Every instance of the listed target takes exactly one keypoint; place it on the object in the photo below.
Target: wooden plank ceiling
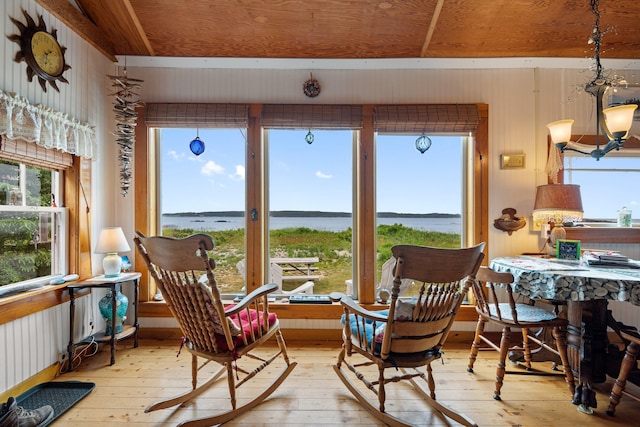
(351, 28)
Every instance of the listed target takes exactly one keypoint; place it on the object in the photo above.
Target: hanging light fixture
(423, 143)
(614, 122)
(197, 145)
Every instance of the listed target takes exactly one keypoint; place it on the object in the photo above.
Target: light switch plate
(512, 161)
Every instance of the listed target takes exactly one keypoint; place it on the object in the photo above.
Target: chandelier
(614, 122)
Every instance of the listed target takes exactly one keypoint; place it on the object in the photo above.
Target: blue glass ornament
(309, 138)
(122, 302)
(197, 146)
(423, 143)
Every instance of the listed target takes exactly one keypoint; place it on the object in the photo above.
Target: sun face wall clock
(42, 52)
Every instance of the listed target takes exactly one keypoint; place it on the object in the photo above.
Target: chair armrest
(250, 298)
(355, 308)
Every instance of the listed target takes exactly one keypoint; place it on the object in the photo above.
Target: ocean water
(213, 223)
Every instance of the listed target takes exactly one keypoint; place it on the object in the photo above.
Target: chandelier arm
(567, 148)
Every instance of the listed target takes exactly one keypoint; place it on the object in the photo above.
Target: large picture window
(302, 161)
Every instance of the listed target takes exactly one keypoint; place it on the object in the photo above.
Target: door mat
(61, 395)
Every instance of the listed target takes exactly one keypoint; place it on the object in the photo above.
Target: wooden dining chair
(517, 315)
(628, 367)
(211, 331)
(410, 334)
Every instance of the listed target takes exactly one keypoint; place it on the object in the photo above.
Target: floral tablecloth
(540, 278)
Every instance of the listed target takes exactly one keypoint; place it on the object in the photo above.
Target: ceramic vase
(122, 302)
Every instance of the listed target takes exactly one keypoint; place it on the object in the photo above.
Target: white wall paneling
(31, 344)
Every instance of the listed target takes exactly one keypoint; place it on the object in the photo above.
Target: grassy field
(332, 248)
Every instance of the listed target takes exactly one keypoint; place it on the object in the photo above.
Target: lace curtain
(48, 128)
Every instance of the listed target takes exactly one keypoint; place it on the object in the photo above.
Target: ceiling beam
(432, 28)
(139, 30)
(79, 24)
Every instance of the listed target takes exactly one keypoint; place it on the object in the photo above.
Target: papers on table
(608, 259)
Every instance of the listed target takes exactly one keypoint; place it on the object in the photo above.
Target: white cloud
(322, 175)
(238, 175)
(211, 168)
(173, 154)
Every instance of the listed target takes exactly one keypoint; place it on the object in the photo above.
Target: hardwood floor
(313, 395)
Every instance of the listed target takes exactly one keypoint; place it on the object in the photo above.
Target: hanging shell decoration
(124, 107)
(509, 222)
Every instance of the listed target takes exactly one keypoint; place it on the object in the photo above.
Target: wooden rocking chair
(211, 331)
(412, 333)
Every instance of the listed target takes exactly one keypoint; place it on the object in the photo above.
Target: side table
(111, 283)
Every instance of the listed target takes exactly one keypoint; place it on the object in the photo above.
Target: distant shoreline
(311, 214)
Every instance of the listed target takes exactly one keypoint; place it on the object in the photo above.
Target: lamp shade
(619, 119)
(558, 203)
(112, 240)
(560, 131)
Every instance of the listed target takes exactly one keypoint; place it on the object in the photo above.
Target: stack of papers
(612, 259)
(613, 256)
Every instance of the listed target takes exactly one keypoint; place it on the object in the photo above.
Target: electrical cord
(82, 350)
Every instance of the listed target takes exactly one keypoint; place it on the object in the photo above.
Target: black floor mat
(61, 395)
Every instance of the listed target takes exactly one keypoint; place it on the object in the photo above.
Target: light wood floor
(314, 396)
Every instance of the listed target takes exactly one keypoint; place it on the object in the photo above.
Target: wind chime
(124, 107)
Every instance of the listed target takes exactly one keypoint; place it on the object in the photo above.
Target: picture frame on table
(568, 249)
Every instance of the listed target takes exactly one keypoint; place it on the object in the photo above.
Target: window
(419, 196)
(352, 128)
(206, 193)
(310, 200)
(606, 185)
(32, 228)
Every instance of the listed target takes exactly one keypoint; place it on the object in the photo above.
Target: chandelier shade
(619, 119)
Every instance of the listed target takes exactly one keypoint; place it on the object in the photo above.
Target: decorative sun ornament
(423, 143)
(42, 52)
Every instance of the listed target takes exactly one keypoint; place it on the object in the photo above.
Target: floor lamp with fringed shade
(557, 204)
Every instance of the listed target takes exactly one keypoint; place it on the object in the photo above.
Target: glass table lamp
(557, 204)
(110, 242)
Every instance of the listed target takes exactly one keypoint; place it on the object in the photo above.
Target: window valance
(48, 128)
(297, 116)
(455, 118)
(178, 115)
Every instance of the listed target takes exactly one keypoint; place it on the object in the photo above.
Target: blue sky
(318, 176)
(303, 176)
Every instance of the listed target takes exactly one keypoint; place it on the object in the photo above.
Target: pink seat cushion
(248, 322)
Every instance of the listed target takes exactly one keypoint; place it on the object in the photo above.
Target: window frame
(594, 234)
(75, 176)
(256, 232)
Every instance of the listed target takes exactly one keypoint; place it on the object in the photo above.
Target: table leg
(136, 284)
(587, 346)
(113, 324)
(72, 315)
